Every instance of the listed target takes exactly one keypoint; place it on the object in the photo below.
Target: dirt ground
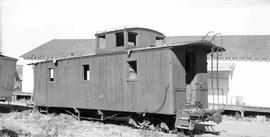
(246, 127)
(22, 123)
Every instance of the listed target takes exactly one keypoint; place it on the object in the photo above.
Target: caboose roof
(128, 29)
(200, 45)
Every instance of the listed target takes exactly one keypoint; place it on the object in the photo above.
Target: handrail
(208, 34)
(221, 42)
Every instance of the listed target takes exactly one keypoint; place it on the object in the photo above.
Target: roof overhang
(201, 45)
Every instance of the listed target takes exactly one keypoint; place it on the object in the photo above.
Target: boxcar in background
(7, 77)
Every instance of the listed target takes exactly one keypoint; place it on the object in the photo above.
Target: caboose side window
(51, 74)
(159, 41)
(86, 72)
(132, 69)
(132, 38)
(102, 41)
(119, 39)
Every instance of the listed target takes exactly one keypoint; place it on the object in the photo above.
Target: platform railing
(216, 98)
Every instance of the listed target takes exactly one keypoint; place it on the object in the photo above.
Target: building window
(132, 38)
(102, 41)
(51, 74)
(132, 69)
(86, 72)
(119, 39)
(159, 40)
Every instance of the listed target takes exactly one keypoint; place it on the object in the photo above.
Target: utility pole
(1, 27)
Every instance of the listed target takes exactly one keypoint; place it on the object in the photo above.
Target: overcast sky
(27, 24)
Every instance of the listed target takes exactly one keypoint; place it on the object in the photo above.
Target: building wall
(28, 78)
(108, 88)
(250, 79)
(247, 83)
(219, 96)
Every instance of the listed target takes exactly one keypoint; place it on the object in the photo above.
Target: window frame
(132, 35)
(51, 69)
(120, 34)
(159, 40)
(85, 72)
(129, 78)
(102, 38)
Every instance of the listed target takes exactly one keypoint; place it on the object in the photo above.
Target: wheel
(164, 127)
(8, 99)
(188, 133)
(181, 134)
(184, 133)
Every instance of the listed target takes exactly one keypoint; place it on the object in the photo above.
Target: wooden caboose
(7, 77)
(133, 70)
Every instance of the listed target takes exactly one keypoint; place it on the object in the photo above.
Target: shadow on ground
(7, 132)
(7, 108)
(205, 129)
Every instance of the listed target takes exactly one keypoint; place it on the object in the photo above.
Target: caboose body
(132, 71)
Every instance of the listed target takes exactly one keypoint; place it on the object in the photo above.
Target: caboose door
(196, 78)
(190, 72)
(190, 61)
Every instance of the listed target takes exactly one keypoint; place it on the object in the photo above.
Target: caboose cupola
(127, 38)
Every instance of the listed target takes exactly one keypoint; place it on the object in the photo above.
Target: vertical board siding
(41, 82)
(108, 87)
(7, 77)
(179, 84)
(50, 86)
(153, 81)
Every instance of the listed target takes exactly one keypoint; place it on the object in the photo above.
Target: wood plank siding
(7, 76)
(109, 87)
(132, 70)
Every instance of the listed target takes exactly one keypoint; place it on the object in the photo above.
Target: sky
(27, 24)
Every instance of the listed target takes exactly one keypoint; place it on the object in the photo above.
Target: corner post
(125, 39)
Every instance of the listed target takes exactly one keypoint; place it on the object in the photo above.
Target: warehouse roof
(59, 48)
(237, 46)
